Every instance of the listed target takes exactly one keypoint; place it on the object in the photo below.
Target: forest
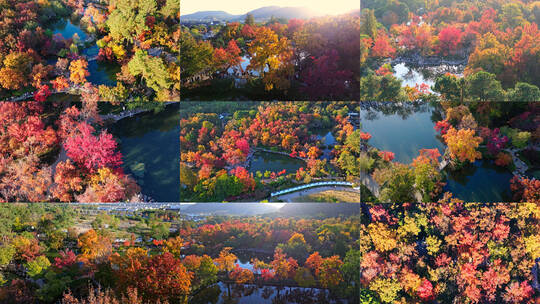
(138, 42)
(60, 152)
(219, 149)
(505, 135)
(61, 254)
(449, 252)
(294, 59)
(452, 50)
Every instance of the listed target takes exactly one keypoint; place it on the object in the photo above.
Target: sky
(239, 7)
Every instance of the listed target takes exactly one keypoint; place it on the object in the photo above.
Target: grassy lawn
(331, 196)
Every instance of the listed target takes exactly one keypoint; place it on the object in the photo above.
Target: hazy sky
(237, 7)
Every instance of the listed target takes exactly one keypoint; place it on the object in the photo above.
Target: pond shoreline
(130, 113)
(422, 61)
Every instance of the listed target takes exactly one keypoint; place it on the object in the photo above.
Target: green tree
(397, 184)
(483, 86)
(187, 176)
(160, 230)
(351, 275)
(196, 57)
(171, 9)
(449, 87)
(353, 141)
(7, 252)
(128, 19)
(523, 92)
(350, 164)
(296, 247)
(37, 266)
(151, 69)
(368, 23)
(512, 15)
(304, 278)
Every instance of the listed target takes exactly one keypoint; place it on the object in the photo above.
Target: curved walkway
(290, 197)
(318, 184)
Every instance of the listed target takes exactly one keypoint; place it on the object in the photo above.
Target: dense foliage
(449, 251)
(497, 40)
(215, 151)
(49, 152)
(297, 59)
(47, 255)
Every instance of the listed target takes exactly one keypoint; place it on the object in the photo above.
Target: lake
(406, 128)
(150, 145)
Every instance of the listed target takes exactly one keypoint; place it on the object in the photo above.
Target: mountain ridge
(259, 14)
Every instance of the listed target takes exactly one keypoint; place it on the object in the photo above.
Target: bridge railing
(337, 183)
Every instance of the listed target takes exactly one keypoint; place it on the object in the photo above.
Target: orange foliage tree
(462, 144)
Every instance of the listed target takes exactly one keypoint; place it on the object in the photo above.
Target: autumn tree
(68, 180)
(449, 40)
(329, 273)
(241, 275)
(93, 152)
(78, 71)
(284, 268)
(271, 57)
(160, 277)
(226, 260)
(108, 186)
(462, 144)
(94, 247)
(381, 47)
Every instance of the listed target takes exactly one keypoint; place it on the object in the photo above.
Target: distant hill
(267, 12)
(209, 16)
(260, 14)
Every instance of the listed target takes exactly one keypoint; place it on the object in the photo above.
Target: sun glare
(238, 7)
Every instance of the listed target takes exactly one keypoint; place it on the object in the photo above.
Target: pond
(406, 128)
(481, 181)
(67, 29)
(150, 145)
(245, 62)
(274, 162)
(412, 76)
(403, 130)
(100, 72)
(249, 294)
(328, 140)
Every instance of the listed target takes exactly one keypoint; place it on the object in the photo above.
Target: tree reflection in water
(233, 293)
